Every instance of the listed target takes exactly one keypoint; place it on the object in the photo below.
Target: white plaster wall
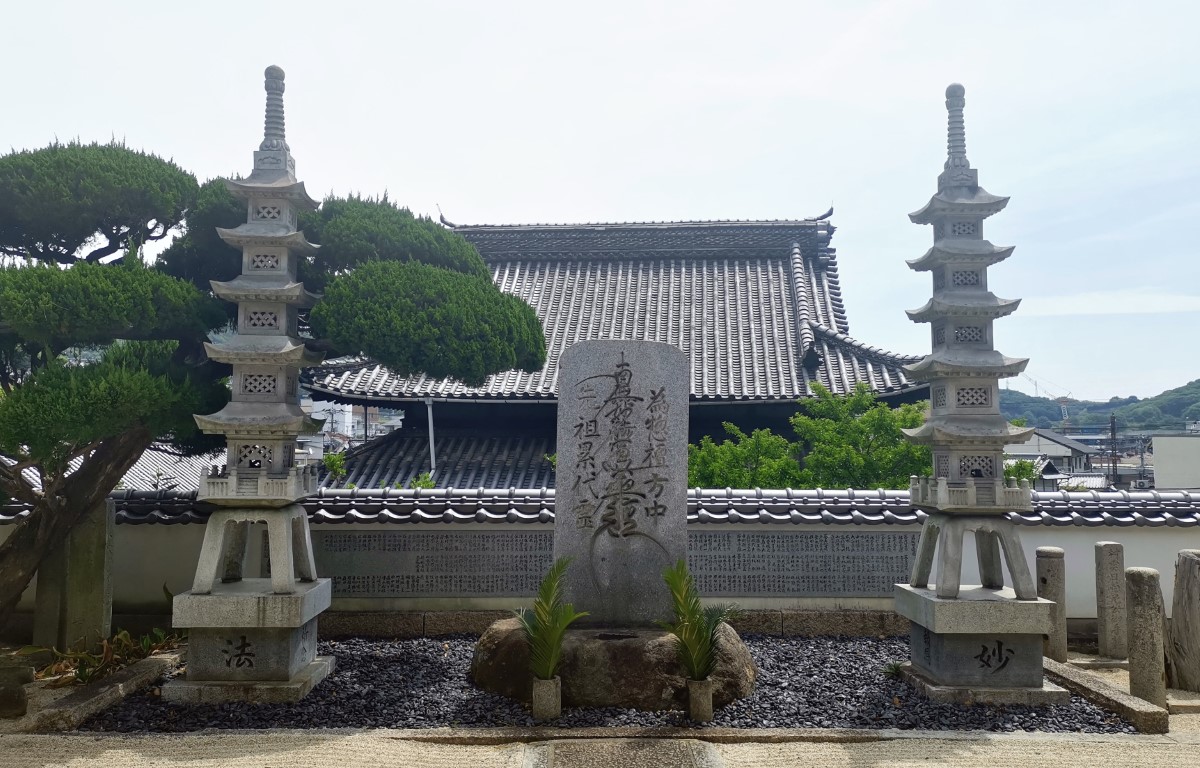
(1176, 462)
(1144, 548)
(149, 556)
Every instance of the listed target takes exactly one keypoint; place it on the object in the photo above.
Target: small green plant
(83, 667)
(546, 624)
(892, 670)
(695, 626)
(552, 458)
(424, 481)
(335, 465)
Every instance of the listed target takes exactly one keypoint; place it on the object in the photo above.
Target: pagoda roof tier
(284, 187)
(959, 201)
(966, 363)
(968, 430)
(238, 419)
(268, 235)
(963, 304)
(263, 350)
(263, 288)
(967, 252)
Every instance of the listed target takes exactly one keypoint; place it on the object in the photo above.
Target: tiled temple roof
(465, 460)
(1173, 509)
(746, 300)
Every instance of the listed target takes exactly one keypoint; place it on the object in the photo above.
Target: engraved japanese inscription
(621, 501)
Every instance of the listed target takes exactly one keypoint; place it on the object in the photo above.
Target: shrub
(695, 626)
(546, 624)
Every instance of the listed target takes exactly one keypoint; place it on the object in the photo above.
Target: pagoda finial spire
(273, 131)
(956, 131)
(958, 171)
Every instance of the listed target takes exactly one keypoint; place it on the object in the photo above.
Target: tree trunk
(53, 517)
(1183, 643)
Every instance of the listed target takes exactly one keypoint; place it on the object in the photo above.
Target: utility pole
(1112, 455)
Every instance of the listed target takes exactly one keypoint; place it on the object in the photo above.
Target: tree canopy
(850, 441)
(855, 441)
(88, 201)
(416, 318)
(100, 359)
(761, 459)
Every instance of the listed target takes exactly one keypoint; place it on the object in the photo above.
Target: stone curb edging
(1146, 717)
(68, 712)
(529, 735)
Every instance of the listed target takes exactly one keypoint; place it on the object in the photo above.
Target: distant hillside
(1169, 410)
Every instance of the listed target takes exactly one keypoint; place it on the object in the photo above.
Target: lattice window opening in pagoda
(268, 210)
(939, 335)
(259, 320)
(977, 467)
(970, 334)
(941, 464)
(254, 456)
(965, 278)
(973, 397)
(259, 384)
(939, 397)
(264, 262)
(961, 229)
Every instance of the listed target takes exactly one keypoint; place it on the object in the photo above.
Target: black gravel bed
(803, 682)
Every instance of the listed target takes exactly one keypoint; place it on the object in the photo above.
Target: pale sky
(1086, 113)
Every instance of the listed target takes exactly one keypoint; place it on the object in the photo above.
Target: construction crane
(1062, 401)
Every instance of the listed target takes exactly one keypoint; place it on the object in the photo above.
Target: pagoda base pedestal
(247, 643)
(984, 646)
(942, 535)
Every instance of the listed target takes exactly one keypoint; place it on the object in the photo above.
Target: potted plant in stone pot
(695, 631)
(544, 628)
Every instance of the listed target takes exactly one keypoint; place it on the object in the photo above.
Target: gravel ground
(422, 683)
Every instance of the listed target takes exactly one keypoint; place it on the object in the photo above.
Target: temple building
(756, 304)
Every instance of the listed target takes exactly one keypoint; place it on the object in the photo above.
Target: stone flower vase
(547, 698)
(700, 700)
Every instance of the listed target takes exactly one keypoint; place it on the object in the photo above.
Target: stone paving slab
(632, 753)
(376, 749)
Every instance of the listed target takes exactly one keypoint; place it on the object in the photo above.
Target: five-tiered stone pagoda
(255, 639)
(970, 643)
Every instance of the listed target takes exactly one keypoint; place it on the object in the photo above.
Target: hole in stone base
(614, 636)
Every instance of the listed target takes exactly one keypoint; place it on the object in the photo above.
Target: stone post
(1052, 585)
(1110, 600)
(73, 603)
(1147, 664)
(1183, 643)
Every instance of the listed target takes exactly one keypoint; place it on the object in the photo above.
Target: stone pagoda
(973, 643)
(255, 638)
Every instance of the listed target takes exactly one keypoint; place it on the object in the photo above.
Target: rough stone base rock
(611, 667)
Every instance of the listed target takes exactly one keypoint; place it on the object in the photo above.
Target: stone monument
(977, 643)
(621, 500)
(251, 638)
(621, 515)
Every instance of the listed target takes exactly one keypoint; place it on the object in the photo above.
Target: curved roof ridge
(863, 347)
(643, 224)
(705, 505)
